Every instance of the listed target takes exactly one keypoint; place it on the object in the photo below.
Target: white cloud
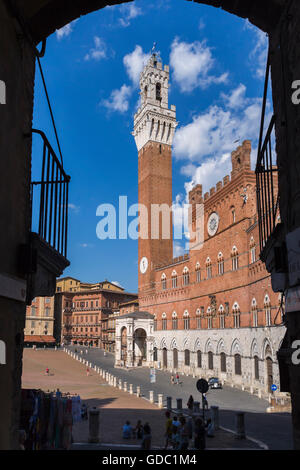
(130, 11)
(73, 207)
(86, 245)
(97, 52)
(205, 144)
(134, 63)
(236, 99)
(178, 249)
(201, 24)
(259, 53)
(119, 99)
(191, 64)
(65, 30)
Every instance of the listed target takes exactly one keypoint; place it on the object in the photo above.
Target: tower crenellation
(154, 120)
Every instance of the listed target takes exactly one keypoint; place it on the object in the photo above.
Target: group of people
(181, 432)
(140, 431)
(175, 379)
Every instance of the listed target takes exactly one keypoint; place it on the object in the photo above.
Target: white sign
(152, 376)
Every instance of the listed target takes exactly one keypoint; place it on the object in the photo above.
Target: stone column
(179, 403)
(169, 403)
(160, 400)
(120, 384)
(125, 386)
(215, 416)
(130, 389)
(151, 396)
(138, 391)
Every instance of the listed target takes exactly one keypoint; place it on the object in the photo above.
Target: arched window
(209, 318)
(174, 279)
(186, 320)
(186, 357)
(199, 359)
(198, 272)
(186, 276)
(256, 367)
(235, 259)
(220, 264)
(158, 91)
(252, 250)
(154, 354)
(267, 306)
(236, 315)
(221, 316)
(198, 319)
(174, 321)
(164, 321)
(237, 364)
(163, 281)
(254, 313)
(233, 215)
(223, 361)
(210, 360)
(208, 268)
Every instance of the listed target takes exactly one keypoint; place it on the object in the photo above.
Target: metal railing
(266, 174)
(53, 199)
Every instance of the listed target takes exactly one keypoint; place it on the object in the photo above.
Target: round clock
(213, 224)
(143, 265)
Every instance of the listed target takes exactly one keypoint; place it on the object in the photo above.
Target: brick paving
(116, 405)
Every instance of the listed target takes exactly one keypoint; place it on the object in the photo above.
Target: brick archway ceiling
(43, 17)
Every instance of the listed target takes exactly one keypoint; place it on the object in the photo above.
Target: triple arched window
(186, 276)
(220, 264)
(235, 259)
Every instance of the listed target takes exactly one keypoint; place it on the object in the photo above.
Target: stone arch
(221, 346)
(186, 344)
(174, 344)
(254, 348)
(209, 346)
(163, 343)
(236, 347)
(197, 345)
(267, 349)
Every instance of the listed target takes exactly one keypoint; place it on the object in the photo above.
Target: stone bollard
(160, 400)
(94, 425)
(215, 416)
(138, 391)
(240, 425)
(196, 407)
(95, 368)
(115, 381)
(259, 393)
(120, 384)
(151, 396)
(251, 390)
(179, 403)
(130, 389)
(125, 386)
(169, 403)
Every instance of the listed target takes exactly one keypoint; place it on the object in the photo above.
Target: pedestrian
(204, 401)
(190, 403)
(199, 435)
(138, 430)
(87, 371)
(47, 371)
(183, 434)
(146, 442)
(210, 428)
(177, 378)
(172, 379)
(175, 437)
(127, 430)
(168, 429)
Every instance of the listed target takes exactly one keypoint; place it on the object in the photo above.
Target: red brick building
(214, 309)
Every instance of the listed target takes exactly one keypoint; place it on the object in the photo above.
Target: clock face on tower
(213, 224)
(143, 265)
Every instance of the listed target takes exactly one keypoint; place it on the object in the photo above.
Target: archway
(139, 346)
(175, 358)
(165, 358)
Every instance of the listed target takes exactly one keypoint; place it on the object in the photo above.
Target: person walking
(146, 442)
(204, 401)
(172, 379)
(199, 435)
(138, 430)
(168, 433)
(87, 371)
(190, 404)
(177, 378)
(127, 430)
(183, 434)
(47, 371)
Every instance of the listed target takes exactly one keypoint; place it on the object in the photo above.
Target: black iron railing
(266, 173)
(53, 199)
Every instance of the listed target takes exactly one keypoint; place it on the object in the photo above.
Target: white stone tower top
(154, 121)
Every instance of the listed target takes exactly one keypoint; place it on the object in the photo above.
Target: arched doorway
(165, 358)
(139, 346)
(269, 368)
(175, 358)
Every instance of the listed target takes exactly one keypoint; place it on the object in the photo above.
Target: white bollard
(138, 391)
(125, 386)
(130, 389)
(120, 384)
(160, 400)
(151, 396)
(115, 381)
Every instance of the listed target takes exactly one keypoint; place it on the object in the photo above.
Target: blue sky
(92, 66)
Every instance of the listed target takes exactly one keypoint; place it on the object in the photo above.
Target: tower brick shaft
(154, 126)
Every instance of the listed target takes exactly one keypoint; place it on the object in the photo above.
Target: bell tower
(154, 127)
